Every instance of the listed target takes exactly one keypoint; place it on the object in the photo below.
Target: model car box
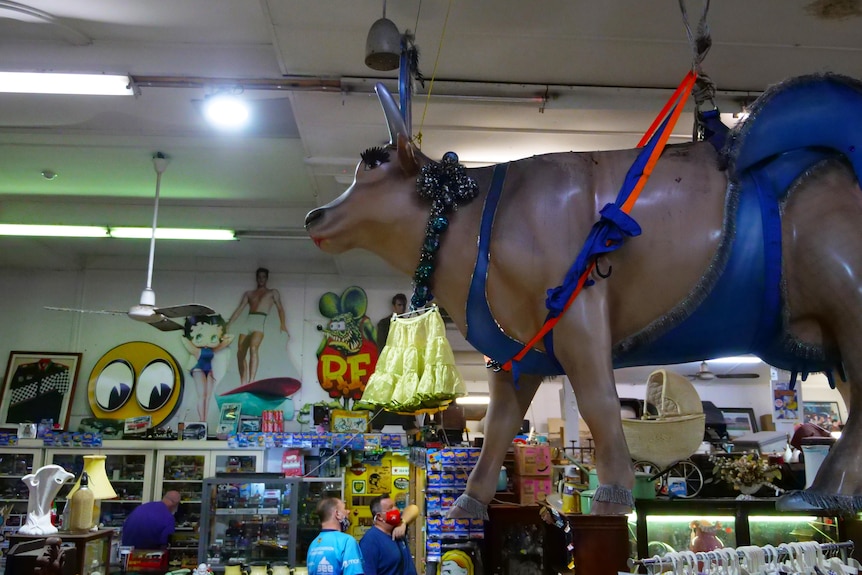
(532, 489)
(532, 459)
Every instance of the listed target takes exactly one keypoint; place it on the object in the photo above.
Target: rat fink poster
(347, 354)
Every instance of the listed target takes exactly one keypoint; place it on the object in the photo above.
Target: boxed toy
(532, 489)
(532, 459)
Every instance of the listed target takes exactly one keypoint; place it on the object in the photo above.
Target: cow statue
(756, 248)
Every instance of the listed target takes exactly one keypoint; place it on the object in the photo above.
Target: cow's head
(381, 208)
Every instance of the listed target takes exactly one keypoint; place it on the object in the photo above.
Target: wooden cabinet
(89, 547)
(517, 541)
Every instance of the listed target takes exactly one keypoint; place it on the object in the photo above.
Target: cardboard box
(532, 489)
(532, 459)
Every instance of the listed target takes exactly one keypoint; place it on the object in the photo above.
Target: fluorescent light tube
(53, 231)
(736, 359)
(172, 234)
(473, 400)
(50, 83)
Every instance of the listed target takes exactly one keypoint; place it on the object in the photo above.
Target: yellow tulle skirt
(416, 369)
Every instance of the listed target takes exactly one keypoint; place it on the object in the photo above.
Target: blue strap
(714, 130)
(608, 233)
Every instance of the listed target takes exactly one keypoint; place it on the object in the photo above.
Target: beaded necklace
(447, 185)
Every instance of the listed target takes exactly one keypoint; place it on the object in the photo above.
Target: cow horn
(394, 119)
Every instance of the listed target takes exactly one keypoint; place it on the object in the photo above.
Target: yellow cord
(418, 138)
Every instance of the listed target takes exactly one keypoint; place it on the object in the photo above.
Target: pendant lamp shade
(383, 46)
(101, 487)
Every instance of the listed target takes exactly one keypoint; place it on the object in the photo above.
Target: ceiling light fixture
(47, 231)
(279, 234)
(749, 359)
(53, 83)
(383, 45)
(173, 234)
(60, 231)
(226, 111)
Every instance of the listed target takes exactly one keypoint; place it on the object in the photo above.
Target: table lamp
(94, 466)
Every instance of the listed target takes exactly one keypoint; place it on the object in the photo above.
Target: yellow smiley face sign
(134, 379)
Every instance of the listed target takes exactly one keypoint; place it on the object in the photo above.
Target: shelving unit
(445, 477)
(130, 474)
(15, 463)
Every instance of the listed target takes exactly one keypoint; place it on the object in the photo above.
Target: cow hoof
(794, 501)
(466, 506)
(811, 501)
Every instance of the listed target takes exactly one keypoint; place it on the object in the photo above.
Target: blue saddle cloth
(792, 127)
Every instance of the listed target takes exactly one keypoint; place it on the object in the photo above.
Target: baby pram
(670, 430)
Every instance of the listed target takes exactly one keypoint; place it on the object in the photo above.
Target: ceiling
(511, 79)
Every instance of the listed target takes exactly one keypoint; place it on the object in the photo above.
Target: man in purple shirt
(150, 525)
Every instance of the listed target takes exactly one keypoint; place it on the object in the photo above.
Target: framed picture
(823, 413)
(343, 421)
(38, 386)
(228, 419)
(785, 402)
(739, 421)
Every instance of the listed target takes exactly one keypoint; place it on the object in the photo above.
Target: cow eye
(373, 157)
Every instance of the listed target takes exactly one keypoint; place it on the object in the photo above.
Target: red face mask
(392, 517)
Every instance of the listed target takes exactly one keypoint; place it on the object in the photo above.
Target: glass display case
(310, 491)
(184, 470)
(661, 526)
(15, 463)
(260, 517)
(130, 474)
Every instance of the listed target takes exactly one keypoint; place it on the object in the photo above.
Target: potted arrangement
(746, 473)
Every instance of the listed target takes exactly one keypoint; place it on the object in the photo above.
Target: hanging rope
(700, 43)
(418, 137)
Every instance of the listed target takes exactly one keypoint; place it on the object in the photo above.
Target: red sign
(346, 375)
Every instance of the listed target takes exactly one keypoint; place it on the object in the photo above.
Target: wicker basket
(677, 431)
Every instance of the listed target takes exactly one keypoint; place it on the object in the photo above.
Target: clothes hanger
(733, 561)
(654, 567)
(771, 559)
(690, 562)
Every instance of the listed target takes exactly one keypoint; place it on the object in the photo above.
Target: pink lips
(277, 386)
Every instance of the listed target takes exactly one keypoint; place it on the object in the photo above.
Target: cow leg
(823, 263)
(506, 410)
(582, 344)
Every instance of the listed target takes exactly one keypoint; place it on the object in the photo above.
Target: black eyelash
(373, 157)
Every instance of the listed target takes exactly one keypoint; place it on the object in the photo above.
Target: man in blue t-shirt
(384, 550)
(334, 552)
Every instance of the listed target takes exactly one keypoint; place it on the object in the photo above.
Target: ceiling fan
(146, 311)
(705, 374)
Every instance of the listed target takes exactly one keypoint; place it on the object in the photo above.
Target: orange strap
(677, 101)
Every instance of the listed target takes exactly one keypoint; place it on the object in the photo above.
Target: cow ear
(407, 156)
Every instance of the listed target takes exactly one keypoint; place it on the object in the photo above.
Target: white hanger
(690, 562)
(771, 559)
(732, 561)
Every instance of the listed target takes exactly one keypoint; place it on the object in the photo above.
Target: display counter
(661, 526)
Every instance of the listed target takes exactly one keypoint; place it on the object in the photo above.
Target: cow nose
(314, 214)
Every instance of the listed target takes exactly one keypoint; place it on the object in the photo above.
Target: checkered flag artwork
(59, 382)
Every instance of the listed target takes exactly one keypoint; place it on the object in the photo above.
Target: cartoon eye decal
(374, 157)
(338, 325)
(114, 385)
(155, 385)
